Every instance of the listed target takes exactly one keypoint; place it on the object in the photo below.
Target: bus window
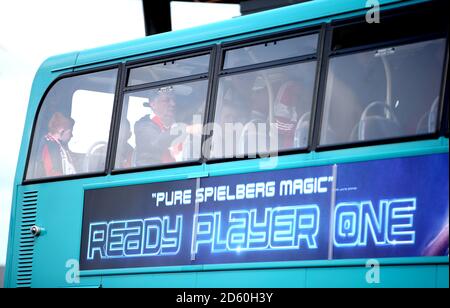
(161, 125)
(72, 129)
(381, 94)
(263, 111)
(169, 70)
(271, 51)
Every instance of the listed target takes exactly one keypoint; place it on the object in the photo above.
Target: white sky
(31, 31)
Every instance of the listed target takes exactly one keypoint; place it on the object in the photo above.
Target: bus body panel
(60, 210)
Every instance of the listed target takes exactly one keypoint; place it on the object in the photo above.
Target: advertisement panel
(376, 209)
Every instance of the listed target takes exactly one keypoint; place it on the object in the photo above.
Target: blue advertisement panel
(386, 208)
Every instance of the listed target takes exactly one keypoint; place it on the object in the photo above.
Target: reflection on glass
(386, 93)
(168, 70)
(162, 125)
(263, 111)
(270, 51)
(72, 129)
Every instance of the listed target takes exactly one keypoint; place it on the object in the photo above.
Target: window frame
(182, 55)
(125, 89)
(67, 75)
(404, 40)
(259, 40)
(318, 29)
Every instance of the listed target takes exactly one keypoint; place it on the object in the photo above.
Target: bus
(305, 146)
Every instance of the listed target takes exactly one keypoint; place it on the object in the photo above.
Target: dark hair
(58, 121)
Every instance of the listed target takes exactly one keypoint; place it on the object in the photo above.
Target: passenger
(189, 146)
(285, 114)
(154, 142)
(55, 158)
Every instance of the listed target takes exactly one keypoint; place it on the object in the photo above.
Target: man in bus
(155, 144)
(55, 158)
(152, 131)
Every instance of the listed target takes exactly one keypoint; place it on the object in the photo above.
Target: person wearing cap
(54, 155)
(438, 246)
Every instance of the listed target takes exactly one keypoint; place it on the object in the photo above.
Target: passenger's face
(164, 107)
(66, 135)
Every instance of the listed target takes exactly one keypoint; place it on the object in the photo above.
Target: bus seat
(378, 127)
(382, 124)
(422, 125)
(427, 122)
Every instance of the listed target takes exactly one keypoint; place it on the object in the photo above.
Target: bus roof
(307, 13)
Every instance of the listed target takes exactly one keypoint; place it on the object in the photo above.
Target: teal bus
(305, 146)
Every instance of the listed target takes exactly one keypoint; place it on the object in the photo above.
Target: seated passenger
(285, 114)
(54, 156)
(154, 142)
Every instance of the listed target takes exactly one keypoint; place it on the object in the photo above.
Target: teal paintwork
(60, 203)
(442, 276)
(392, 276)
